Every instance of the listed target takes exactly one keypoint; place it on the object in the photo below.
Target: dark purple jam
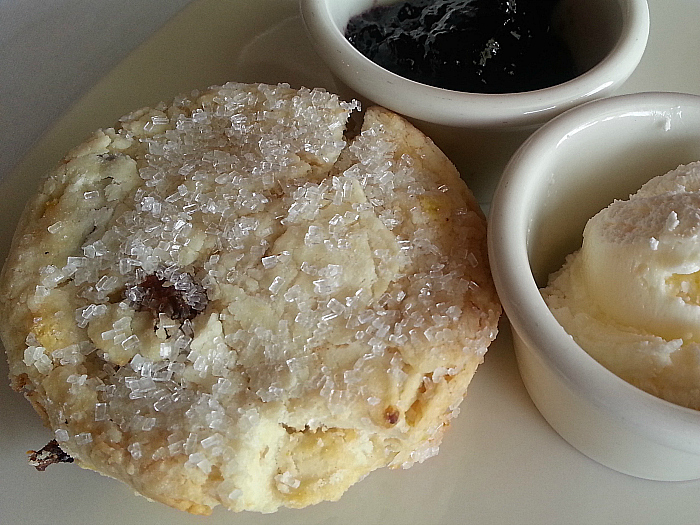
(479, 46)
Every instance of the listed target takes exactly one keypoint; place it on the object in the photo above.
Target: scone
(221, 301)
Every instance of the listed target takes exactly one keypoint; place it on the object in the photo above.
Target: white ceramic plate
(500, 462)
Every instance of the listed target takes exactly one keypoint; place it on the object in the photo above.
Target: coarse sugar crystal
(83, 438)
(135, 450)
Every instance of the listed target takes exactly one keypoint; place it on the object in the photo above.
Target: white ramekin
(607, 39)
(561, 176)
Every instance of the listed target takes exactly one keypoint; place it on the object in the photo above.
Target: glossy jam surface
(480, 46)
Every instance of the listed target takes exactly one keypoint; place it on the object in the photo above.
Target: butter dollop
(641, 257)
(630, 296)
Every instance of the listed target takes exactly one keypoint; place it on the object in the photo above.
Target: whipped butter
(630, 296)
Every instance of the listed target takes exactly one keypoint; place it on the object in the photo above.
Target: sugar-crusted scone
(218, 301)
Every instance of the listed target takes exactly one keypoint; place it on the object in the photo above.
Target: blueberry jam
(479, 46)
